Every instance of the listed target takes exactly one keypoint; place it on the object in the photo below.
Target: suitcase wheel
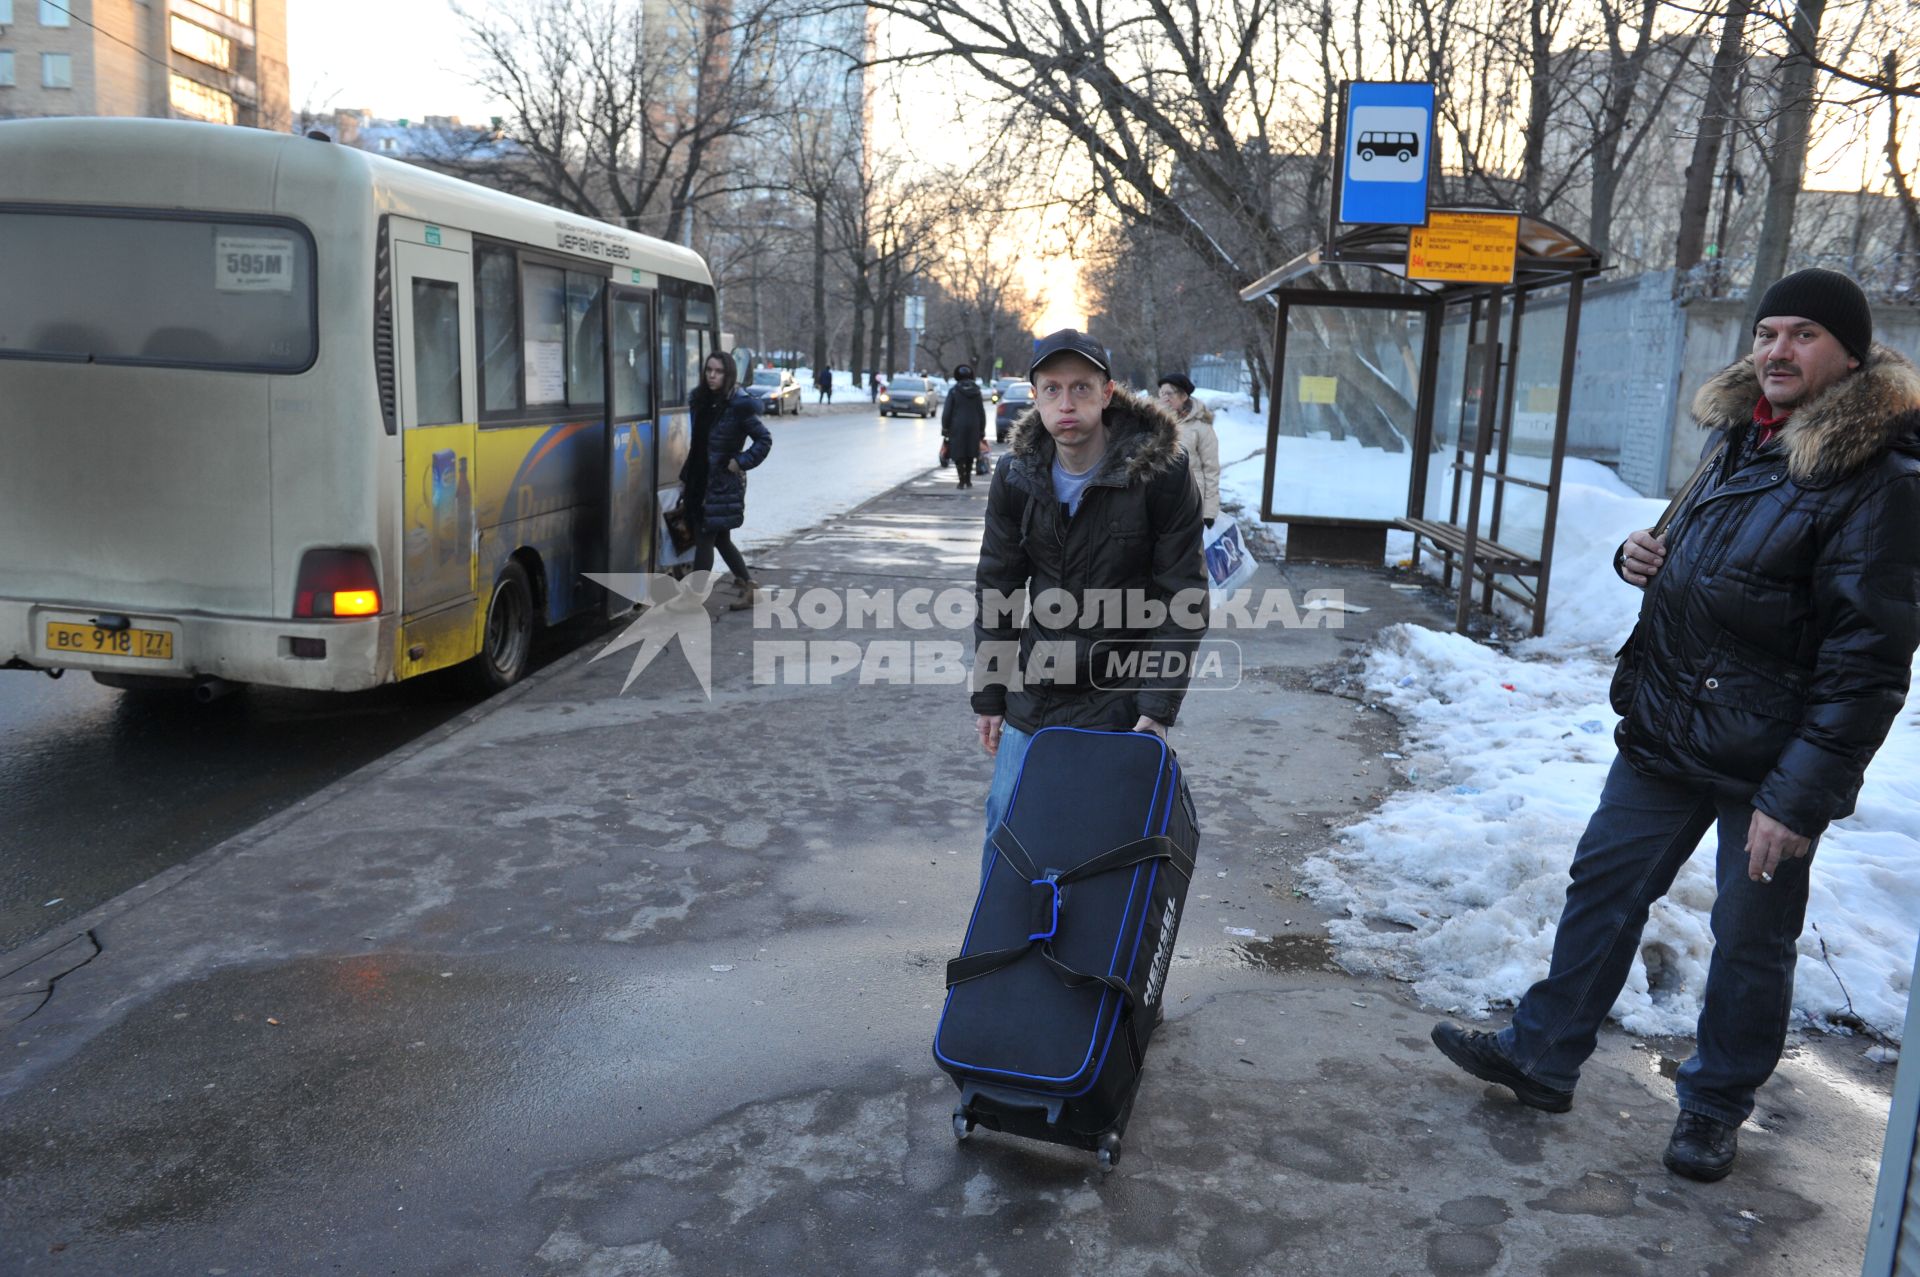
(1108, 1153)
(962, 1124)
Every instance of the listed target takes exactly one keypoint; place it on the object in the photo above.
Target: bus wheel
(509, 635)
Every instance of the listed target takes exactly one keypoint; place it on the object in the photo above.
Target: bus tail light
(336, 583)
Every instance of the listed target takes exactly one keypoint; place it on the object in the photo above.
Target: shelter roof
(1547, 254)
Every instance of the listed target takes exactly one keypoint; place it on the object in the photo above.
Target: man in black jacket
(963, 424)
(1093, 514)
(1775, 640)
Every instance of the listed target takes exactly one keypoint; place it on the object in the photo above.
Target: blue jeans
(1006, 772)
(1643, 831)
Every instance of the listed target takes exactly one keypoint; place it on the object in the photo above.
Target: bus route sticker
(252, 264)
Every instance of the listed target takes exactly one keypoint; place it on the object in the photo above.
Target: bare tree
(1715, 119)
(1787, 160)
(618, 120)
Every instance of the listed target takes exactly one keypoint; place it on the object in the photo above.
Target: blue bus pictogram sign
(1387, 154)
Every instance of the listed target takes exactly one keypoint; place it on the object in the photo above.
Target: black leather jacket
(1774, 644)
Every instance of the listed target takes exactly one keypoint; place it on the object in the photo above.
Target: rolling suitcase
(1057, 989)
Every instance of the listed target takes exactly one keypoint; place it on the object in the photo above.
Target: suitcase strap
(1044, 915)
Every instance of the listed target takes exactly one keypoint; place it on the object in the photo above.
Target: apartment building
(223, 61)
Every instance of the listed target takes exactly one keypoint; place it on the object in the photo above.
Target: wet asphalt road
(102, 789)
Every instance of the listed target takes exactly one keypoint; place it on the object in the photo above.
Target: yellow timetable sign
(1464, 248)
(1319, 389)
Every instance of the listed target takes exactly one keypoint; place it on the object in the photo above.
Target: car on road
(776, 390)
(1015, 398)
(1000, 385)
(907, 394)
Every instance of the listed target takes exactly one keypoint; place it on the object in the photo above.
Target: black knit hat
(1178, 380)
(1830, 300)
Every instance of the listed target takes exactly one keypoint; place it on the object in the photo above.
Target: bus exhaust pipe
(208, 690)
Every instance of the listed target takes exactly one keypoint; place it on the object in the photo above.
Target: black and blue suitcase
(1058, 986)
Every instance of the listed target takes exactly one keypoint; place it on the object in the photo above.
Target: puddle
(1666, 1066)
(1289, 953)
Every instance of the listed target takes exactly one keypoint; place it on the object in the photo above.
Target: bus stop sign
(1386, 155)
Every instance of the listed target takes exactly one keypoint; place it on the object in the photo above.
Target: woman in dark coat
(714, 481)
(963, 423)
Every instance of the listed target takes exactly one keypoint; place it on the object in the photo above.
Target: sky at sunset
(420, 66)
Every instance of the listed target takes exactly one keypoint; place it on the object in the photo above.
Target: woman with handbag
(963, 422)
(713, 483)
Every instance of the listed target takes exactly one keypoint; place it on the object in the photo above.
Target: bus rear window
(179, 291)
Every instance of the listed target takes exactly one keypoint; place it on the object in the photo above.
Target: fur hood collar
(1142, 439)
(1842, 428)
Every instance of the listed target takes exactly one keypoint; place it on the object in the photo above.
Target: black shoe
(1702, 1147)
(1480, 1055)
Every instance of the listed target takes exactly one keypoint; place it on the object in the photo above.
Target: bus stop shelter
(1436, 407)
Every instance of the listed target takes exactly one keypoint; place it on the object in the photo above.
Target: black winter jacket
(963, 419)
(1137, 532)
(724, 503)
(1774, 644)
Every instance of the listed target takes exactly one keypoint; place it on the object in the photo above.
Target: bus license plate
(152, 645)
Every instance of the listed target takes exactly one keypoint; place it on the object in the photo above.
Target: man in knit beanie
(1780, 617)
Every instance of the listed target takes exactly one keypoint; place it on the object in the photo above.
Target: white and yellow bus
(276, 411)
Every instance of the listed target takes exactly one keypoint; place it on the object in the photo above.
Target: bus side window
(673, 386)
(495, 308)
(698, 341)
(632, 358)
(436, 352)
(586, 340)
(543, 321)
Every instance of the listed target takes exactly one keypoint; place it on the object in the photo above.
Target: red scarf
(1767, 423)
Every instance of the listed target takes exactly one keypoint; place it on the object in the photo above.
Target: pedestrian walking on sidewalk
(1197, 436)
(963, 424)
(1094, 498)
(729, 439)
(1781, 613)
(823, 382)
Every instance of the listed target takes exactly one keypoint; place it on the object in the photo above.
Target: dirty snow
(1474, 858)
(1456, 884)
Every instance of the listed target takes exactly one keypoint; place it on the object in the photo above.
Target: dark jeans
(707, 541)
(1643, 831)
(963, 469)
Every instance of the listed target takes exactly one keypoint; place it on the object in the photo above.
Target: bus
(278, 411)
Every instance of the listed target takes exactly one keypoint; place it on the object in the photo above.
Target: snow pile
(1588, 605)
(1474, 861)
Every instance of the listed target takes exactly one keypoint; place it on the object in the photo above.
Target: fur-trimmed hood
(1141, 437)
(1875, 407)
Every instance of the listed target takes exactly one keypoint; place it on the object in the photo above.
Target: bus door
(433, 342)
(632, 514)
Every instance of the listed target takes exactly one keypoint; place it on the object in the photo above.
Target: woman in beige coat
(1195, 420)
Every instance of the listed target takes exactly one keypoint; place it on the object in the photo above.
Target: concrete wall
(1641, 358)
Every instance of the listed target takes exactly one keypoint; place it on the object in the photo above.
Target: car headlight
(885, 397)
(919, 399)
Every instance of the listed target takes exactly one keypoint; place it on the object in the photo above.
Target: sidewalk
(598, 984)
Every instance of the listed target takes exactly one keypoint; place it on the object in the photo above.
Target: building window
(6, 68)
(54, 14)
(200, 44)
(196, 101)
(6, 13)
(240, 11)
(56, 70)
